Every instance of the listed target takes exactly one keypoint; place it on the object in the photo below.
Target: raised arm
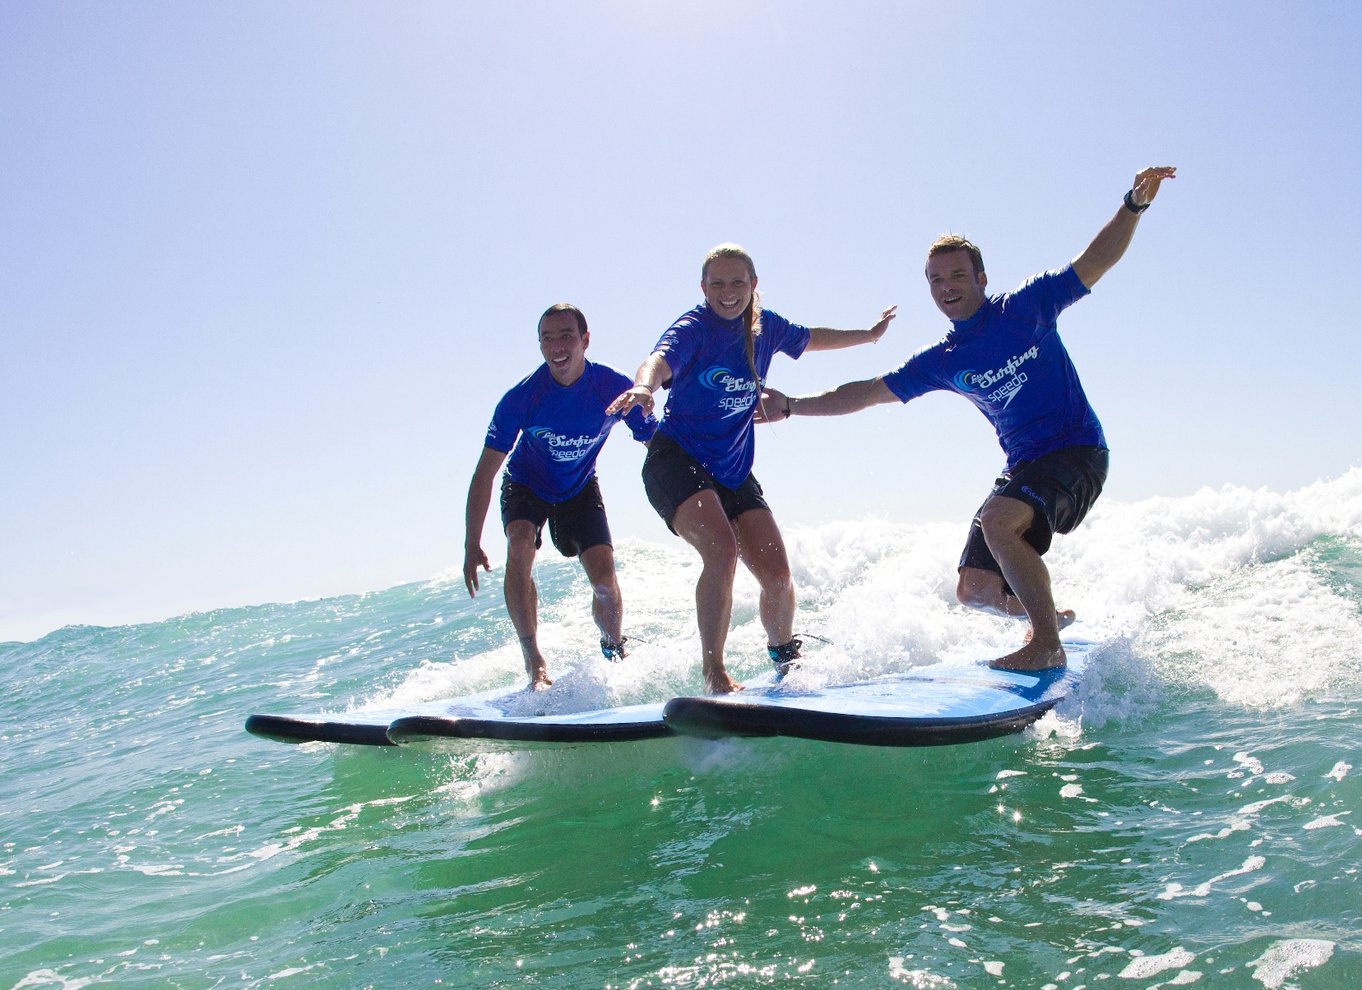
(475, 514)
(849, 398)
(828, 339)
(1112, 240)
(652, 374)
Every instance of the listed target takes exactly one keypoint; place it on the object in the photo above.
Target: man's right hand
(473, 558)
(639, 395)
(773, 407)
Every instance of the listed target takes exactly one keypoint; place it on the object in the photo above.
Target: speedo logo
(972, 380)
(564, 448)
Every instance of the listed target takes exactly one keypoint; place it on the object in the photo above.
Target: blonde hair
(751, 316)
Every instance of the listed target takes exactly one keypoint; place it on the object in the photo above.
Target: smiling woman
(698, 473)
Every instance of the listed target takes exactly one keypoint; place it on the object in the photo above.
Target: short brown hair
(564, 308)
(947, 243)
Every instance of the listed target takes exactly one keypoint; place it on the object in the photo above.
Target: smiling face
(957, 289)
(563, 344)
(728, 284)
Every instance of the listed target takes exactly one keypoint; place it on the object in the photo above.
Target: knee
(993, 525)
(975, 588)
(1005, 517)
(964, 591)
(520, 548)
(777, 581)
(606, 588)
(770, 566)
(721, 556)
(725, 560)
(598, 563)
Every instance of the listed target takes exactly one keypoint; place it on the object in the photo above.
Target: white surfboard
(936, 705)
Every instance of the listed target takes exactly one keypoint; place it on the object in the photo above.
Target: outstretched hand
(1146, 184)
(639, 395)
(773, 407)
(881, 325)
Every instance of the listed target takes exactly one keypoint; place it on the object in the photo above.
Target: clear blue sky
(266, 267)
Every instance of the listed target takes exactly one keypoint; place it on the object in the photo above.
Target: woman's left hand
(887, 317)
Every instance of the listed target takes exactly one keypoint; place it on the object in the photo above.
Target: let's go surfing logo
(977, 381)
(739, 391)
(564, 448)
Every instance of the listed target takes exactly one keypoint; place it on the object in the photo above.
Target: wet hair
(564, 308)
(947, 243)
(751, 316)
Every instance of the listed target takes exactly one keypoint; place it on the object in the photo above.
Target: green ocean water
(1192, 816)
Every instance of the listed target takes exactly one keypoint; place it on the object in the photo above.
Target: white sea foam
(1143, 967)
(1325, 821)
(1219, 589)
(51, 978)
(919, 979)
(1283, 960)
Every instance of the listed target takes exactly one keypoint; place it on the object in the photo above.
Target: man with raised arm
(1004, 354)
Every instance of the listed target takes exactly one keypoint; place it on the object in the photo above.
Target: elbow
(1090, 271)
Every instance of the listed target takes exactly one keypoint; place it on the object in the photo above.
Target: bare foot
(540, 681)
(1065, 617)
(1031, 657)
(721, 683)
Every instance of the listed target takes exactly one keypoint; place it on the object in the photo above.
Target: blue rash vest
(560, 428)
(1009, 361)
(711, 404)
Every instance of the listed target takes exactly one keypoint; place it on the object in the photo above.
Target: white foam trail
(1176, 890)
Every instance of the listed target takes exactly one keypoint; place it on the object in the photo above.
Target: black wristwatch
(1133, 206)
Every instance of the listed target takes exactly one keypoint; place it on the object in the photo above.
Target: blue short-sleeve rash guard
(711, 404)
(557, 430)
(1008, 360)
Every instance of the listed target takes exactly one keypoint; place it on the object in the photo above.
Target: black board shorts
(575, 525)
(671, 477)
(1061, 487)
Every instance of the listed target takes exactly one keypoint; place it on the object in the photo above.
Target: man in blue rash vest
(698, 472)
(556, 422)
(1003, 353)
